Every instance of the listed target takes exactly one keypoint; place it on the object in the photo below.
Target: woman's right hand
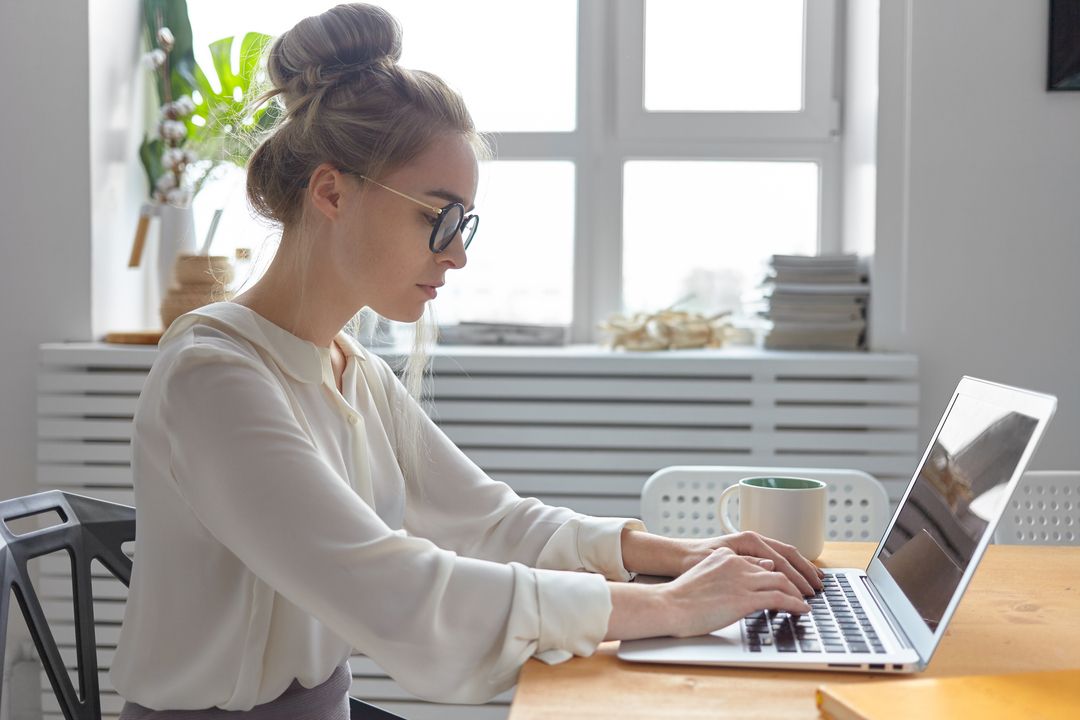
(716, 592)
(725, 587)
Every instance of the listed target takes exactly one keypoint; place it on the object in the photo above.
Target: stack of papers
(484, 333)
(814, 303)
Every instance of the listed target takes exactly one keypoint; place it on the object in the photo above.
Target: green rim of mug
(782, 483)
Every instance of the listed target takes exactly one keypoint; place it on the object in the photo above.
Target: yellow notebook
(1045, 695)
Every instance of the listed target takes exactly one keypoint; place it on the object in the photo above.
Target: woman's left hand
(651, 554)
(784, 558)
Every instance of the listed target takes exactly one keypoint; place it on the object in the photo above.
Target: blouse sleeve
(453, 502)
(445, 627)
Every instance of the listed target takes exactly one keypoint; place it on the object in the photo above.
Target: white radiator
(582, 428)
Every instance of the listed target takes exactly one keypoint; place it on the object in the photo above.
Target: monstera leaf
(224, 125)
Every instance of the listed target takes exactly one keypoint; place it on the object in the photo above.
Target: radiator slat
(60, 588)
(729, 363)
(576, 436)
(399, 702)
(50, 451)
(360, 665)
(412, 711)
(664, 414)
(647, 462)
(369, 688)
(696, 390)
(80, 429)
(86, 406)
(127, 382)
(89, 476)
(531, 483)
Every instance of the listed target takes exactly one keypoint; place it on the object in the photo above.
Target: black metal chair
(90, 529)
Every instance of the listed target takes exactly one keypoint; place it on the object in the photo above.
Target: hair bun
(345, 37)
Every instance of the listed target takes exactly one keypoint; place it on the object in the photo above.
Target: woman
(296, 503)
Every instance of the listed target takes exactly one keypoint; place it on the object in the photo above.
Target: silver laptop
(890, 616)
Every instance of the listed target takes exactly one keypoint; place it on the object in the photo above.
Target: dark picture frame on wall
(1063, 64)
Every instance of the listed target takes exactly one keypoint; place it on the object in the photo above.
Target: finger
(758, 563)
(775, 553)
(797, 565)
(808, 570)
(755, 565)
(751, 543)
(778, 581)
(777, 600)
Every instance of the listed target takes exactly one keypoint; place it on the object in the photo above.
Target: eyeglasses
(449, 221)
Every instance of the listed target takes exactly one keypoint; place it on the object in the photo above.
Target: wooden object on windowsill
(134, 337)
(200, 280)
(146, 214)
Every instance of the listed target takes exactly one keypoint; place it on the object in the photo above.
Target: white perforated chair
(681, 501)
(1043, 510)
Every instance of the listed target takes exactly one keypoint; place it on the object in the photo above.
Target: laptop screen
(937, 530)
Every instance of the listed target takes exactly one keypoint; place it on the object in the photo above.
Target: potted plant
(199, 127)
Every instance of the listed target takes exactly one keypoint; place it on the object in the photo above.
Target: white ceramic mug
(791, 510)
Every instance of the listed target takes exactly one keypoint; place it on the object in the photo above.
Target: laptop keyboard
(837, 623)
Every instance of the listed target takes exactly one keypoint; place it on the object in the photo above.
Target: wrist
(651, 554)
(674, 601)
(639, 611)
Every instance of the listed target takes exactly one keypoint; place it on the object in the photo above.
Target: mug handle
(722, 508)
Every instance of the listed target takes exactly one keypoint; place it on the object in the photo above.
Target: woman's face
(381, 246)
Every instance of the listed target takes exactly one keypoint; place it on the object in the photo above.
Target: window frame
(818, 120)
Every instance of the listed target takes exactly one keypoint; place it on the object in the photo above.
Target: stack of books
(814, 303)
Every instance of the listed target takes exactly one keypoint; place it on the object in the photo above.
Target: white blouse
(277, 532)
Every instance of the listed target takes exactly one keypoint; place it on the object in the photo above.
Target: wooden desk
(1019, 613)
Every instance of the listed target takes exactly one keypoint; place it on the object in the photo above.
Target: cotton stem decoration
(174, 185)
(173, 170)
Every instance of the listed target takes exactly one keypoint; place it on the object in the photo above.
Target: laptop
(891, 615)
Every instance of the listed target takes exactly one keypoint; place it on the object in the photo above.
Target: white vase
(177, 235)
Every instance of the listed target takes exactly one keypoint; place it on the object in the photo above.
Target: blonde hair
(343, 99)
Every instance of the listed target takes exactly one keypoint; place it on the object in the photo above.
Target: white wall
(69, 185)
(979, 205)
(70, 188)
(44, 217)
(44, 206)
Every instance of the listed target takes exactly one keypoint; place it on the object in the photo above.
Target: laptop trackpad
(723, 644)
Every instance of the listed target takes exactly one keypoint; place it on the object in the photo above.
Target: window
(753, 52)
(672, 145)
(727, 133)
(701, 229)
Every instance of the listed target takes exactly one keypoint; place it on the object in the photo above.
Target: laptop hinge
(897, 630)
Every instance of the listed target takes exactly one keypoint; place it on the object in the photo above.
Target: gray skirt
(328, 701)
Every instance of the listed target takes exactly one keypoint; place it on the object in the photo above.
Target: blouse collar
(302, 359)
